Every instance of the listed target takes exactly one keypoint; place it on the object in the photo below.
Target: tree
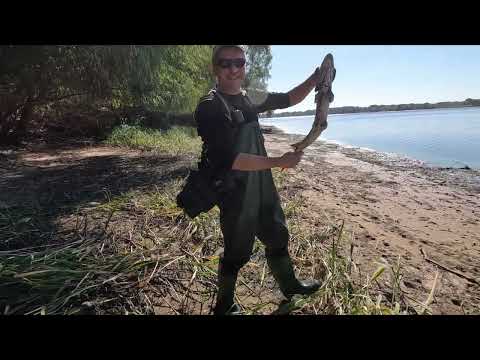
(166, 78)
(180, 77)
(259, 58)
(472, 102)
(36, 80)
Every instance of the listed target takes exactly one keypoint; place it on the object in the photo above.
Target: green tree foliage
(43, 80)
(259, 59)
(37, 75)
(163, 78)
(180, 77)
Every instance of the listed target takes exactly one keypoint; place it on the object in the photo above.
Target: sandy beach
(398, 209)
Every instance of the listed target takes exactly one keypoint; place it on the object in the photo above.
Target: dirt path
(397, 209)
(44, 184)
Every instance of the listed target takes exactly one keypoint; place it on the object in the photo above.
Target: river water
(437, 137)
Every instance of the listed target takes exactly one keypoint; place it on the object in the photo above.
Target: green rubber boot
(282, 270)
(226, 291)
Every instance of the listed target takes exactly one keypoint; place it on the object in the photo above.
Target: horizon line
(359, 106)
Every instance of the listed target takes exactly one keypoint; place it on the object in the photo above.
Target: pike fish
(323, 98)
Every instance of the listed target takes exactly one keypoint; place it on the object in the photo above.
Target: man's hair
(218, 48)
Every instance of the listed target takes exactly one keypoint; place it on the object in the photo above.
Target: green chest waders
(252, 208)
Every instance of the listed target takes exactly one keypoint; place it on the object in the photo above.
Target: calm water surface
(439, 137)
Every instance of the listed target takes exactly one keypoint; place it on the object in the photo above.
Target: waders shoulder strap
(227, 107)
(222, 99)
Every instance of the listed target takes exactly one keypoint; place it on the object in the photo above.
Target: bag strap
(224, 102)
(248, 98)
(227, 107)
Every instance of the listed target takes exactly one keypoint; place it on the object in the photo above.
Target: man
(233, 149)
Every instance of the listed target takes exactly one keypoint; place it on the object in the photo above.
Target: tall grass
(67, 279)
(177, 140)
(339, 293)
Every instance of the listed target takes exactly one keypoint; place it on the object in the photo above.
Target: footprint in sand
(456, 302)
(409, 285)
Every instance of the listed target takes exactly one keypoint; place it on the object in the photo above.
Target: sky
(381, 74)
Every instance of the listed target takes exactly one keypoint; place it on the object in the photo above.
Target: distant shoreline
(468, 103)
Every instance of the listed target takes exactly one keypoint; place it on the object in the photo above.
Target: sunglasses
(227, 63)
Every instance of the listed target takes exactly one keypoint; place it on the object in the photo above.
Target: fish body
(323, 97)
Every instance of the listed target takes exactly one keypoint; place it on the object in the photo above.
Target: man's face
(230, 67)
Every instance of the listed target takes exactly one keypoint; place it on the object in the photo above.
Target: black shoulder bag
(199, 194)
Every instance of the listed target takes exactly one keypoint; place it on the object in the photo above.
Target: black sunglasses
(227, 63)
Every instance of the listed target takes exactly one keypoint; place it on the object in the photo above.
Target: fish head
(327, 75)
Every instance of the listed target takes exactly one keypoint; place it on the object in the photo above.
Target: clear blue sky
(382, 74)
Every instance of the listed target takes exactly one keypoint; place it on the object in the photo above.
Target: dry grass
(138, 254)
(151, 259)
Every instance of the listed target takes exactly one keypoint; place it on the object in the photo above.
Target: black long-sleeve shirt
(218, 132)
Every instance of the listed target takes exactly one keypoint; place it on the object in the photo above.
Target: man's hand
(300, 92)
(290, 159)
(316, 76)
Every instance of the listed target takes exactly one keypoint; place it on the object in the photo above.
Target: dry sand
(398, 208)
